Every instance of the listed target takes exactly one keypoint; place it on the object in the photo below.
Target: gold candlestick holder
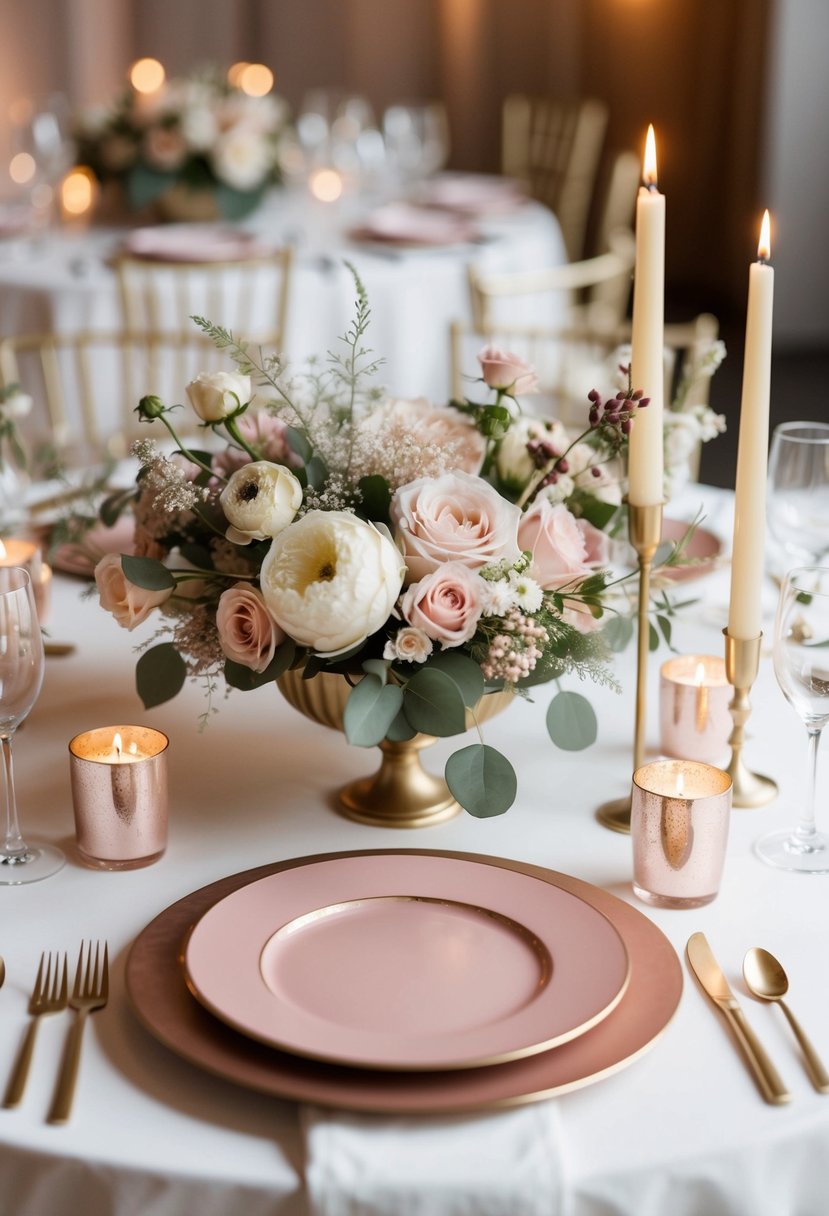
(645, 530)
(742, 662)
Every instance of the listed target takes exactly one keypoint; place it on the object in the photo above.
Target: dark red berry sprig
(613, 418)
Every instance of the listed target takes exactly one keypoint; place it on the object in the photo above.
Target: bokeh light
(147, 75)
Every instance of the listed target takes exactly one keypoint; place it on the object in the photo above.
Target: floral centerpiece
(199, 136)
(426, 555)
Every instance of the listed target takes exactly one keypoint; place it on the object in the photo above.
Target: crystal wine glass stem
(14, 845)
(805, 830)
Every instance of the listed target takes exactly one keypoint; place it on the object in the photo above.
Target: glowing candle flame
(699, 678)
(649, 167)
(2, 551)
(680, 784)
(77, 191)
(133, 748)
(326, 185)
(764, 247)
(147, 75)
(117, 745)
(255, 79)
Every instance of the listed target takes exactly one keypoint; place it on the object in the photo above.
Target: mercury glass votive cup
(119, 795)
(694, 719)
(680, 812)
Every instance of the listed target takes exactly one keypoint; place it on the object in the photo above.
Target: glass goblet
(801, 664)
(797, 508)
(21, 676)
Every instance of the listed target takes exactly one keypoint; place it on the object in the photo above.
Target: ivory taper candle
(744, 615)
(647, 361)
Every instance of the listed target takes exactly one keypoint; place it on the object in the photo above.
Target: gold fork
(89, 992)
(48, 996)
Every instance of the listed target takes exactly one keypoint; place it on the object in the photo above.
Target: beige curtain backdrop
(702, 71)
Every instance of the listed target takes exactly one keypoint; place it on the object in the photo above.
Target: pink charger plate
(403, 224)
(82, 559)
(161, 1000)
(195, 243)
(390, 965)
(702, 552)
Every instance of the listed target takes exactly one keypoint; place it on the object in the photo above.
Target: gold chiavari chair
(554, 149)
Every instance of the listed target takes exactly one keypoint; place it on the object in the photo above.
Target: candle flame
(147, 75)
(133, 748)
(764, 247)
(700, 675)
(680, 784)
(326, 185)
(3, 553)
(117, 745)
(649, 167)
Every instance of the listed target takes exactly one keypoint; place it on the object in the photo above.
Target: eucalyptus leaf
(433, 704)
(114, 505)
(370, 710)
(246, 679)
(146, 572)
(159, 674)
(618, 632)
(317, 472)
(665, 626)
(197, 555)
(377, 667)
(481, 780)
(376, 497)
(571, 722)
(236, 204)
(400, 731)
(463, 671)
(653, 637)
(298, 442)
(145, 185)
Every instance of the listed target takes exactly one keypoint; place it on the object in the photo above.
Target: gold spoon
(2, 971)
(767, 980)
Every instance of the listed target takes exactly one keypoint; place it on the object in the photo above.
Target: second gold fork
(48, 996)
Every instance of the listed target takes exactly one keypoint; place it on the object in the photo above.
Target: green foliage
(571, 722)
(433, 703)
(245, 679)
(370, 710)
(159, 674)
(148, 573)
(481, 780)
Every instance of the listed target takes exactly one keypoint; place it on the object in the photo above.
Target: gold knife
(709, 973)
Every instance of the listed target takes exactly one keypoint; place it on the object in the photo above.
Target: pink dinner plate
(194, 243)
(162, 1002)
(82, 559)
(404, 224)
(700, 555)
(389, 963)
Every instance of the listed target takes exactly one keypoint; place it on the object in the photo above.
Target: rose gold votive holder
(680, 811)
(119, 795)
(694, 695)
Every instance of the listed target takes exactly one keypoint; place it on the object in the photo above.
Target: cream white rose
(130, 605)
(259, 501)
(409, 645)
(455, 517)
(330, 580)
(242, 158)
(214, 395)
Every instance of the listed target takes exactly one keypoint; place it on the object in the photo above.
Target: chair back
(595, 291)
(554, 149)
(618, 200)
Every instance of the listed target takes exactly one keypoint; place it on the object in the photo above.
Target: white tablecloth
(681, 1131)
(63, 283)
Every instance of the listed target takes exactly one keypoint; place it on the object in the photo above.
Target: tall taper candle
(744, 616)
(647, 365)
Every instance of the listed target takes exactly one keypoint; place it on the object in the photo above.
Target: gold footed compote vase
(401, 794)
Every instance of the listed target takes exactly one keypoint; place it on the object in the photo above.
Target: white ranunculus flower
(330, 580)
(214, 395)
(259, 501)
(242, 158)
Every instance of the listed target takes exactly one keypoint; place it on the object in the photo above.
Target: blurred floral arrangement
(427, 554)
(199, 132)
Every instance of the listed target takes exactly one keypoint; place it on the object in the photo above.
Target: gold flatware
(766, 979)
(48, 996)
(708, 972)
(2, 971)
(90, 992)
(58, 650)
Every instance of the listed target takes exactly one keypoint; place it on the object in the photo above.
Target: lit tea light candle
(119, 795)
(15, 551)
(78, 194)
(694, 695)
(326, 185)
(680, 812)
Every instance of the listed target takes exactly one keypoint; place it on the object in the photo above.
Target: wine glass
(797, 509)
(801, 664)
(21, 675)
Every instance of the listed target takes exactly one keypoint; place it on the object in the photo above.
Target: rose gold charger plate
(162, 1001)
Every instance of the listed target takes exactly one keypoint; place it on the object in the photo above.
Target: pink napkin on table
(194, 243)
(405, 224)
(471, 193)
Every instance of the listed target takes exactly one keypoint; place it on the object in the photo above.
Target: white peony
(242, 158)
(330, 580)
(215, 395)
(259, 501)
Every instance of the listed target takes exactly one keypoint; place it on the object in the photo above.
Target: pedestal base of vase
(401, 794)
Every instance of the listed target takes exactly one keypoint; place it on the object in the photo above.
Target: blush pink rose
(596, 544)
(452, 518)
(558, 543)
(445, 605)
(505, 371)
(130, 605)
(248, 634)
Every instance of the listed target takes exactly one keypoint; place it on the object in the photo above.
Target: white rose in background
(214, 395)
(242, 158)
(455, 517)
(259, 501)
(198, 126)
(331, 580)
(409, 645)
